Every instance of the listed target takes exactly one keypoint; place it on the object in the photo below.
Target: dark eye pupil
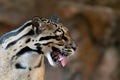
(59, 37)
(59, 30)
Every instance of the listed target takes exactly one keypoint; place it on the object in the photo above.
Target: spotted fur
(22, 50)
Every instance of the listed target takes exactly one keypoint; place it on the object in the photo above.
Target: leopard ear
(55, 18)
(36, 24)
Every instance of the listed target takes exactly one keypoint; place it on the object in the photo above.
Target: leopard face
(55, 41)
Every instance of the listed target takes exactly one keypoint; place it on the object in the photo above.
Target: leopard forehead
(51, 25)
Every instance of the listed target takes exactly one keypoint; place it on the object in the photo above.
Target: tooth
(60, 59)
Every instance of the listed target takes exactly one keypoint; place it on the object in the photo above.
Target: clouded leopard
(22, 50)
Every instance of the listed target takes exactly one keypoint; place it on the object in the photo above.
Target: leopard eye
(59, 37)
(58, 32)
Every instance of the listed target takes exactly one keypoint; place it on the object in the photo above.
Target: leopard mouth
(58, 57)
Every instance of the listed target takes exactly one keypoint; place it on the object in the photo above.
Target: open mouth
(57, 56)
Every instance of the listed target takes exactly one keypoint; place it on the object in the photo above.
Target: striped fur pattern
(22, 50)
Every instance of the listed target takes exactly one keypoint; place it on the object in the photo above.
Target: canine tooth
(60, 59)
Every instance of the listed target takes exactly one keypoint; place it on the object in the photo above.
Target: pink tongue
(62, 59)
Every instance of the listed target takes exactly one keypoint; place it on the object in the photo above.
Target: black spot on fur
(47, 38)
(20, 45)
(30, 69)
(27, 49)
(33, 40)
(39, 50)
(28, 40)
(19, 66)
(37, 44)
(64, 38)
(14, 49)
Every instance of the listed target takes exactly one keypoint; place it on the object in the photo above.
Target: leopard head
(55, 40)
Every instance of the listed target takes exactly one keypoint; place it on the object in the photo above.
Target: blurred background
(94, 25)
